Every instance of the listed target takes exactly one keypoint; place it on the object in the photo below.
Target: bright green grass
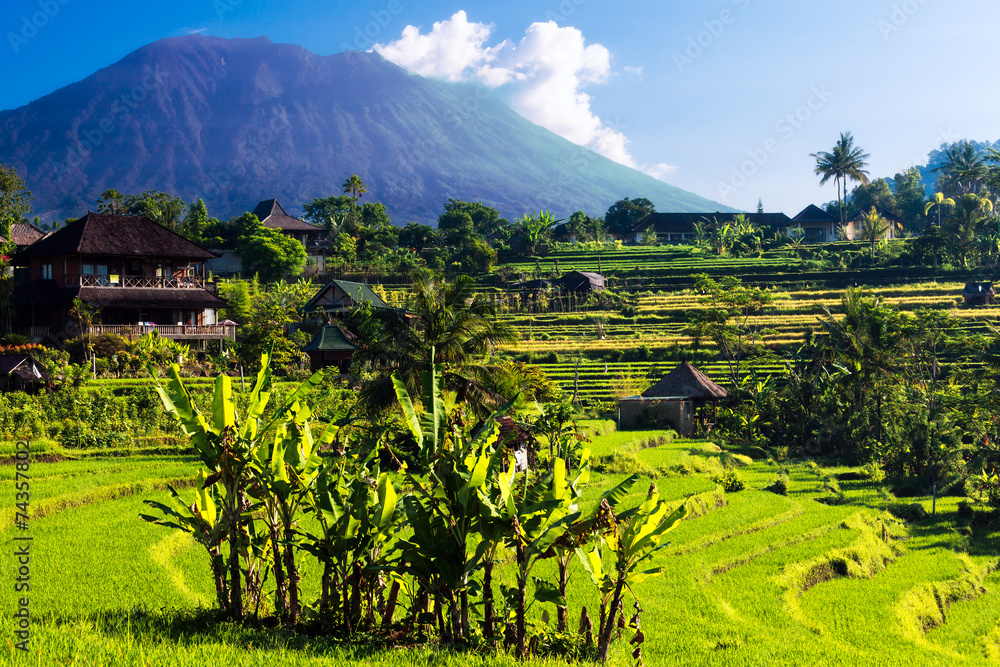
(111, 589)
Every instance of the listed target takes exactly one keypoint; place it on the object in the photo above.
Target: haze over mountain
(236, 121)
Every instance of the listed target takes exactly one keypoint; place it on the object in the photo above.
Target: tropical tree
(938, 201)
(111, 202)
(963, 170)
(451, 319)
(355, 187)
(15, 199)
(536, 229)
(964, 225)
(873, 229)
(85, 315)
(846, 162)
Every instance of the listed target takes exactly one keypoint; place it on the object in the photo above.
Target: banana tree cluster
(417, 558)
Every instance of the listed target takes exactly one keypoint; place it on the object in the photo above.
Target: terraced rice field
(661, 321)
(750, 578)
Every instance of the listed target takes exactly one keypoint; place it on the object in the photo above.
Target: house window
(87, 269)
(46, 271)
(815, 235)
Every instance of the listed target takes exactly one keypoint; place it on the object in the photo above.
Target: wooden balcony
(142, 282)
(172, 331)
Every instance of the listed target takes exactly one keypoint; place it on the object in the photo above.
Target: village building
(21, 372)
(855, 226)
(272, 215)
(979, 294)
(24, 234)
(338, 297)
(582, 282)
(333, 346)
(674, 401)
(817, 225)
(138, 275)
(680, 227)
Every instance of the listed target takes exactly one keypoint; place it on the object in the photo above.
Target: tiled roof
(333, 338)
(116, 236)
(24, 234)
(273, 216)
(23, 365)
(137, 297)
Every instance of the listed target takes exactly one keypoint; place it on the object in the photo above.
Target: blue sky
(725, 98)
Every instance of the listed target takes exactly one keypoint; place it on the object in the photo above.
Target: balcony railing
(143, 282)
(172, 331)
(176, 331)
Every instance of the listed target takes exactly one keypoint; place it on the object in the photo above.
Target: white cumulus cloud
(543, 77)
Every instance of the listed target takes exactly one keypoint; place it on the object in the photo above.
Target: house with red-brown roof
(138, 275)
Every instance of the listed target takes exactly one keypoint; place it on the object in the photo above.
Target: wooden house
(338, 297)
(679, 227)
(818, 225)
(332, 346)
(582, 282)
(979, 294)
(21, 372)
(138, 275)
(673, 401)
(273, 216)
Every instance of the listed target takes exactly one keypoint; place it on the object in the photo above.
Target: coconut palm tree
(453, 320)
(938, 201)
(873, 229)
(845, 162)
(355, 187)
(963, 170)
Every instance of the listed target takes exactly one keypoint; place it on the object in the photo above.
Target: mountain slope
(235, 121)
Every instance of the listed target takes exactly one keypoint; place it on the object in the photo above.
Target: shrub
(779, 486)
(731, 482)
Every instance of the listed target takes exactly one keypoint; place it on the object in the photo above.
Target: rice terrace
(411, 351)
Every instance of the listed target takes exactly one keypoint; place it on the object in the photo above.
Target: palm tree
(873, 228)
(110, 202)
(964, 168)
(355, 187)
(846, 162)
(452, 319)
(938, 201)
(970, 211)
(84, 315)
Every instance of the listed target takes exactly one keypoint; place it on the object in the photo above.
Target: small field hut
(979, 294)
(672, 401)
(21, 372)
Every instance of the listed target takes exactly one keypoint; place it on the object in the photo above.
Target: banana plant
(445, 506)
(356, 509)
(285, 470)
(203, 521)
(227, 445)
(641, 538)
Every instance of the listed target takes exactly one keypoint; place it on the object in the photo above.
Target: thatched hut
(672, 401)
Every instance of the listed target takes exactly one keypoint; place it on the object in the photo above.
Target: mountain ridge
(235, 121)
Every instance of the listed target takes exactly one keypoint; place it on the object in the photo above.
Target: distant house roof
(23, 234)
(978, 289)
(24, 366)
(273, 216)
(116, 236)
(888, 215)
(574, 281)
(333, 338)
(683, 223)
(686, 380)
(341, 295)
(814, 214)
